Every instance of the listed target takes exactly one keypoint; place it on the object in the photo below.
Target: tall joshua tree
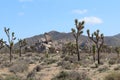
(76, 33)
(22, 43)
(98, 39)
(1, 43)
(11, 39)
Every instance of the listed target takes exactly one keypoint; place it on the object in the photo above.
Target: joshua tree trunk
(94, 57)
(20, 52)
(10, 54)
(22, 43)
(78, 52)
(93, 50)
(98, 51)
(98, 56)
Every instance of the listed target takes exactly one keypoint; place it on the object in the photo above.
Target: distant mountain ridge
(56, 36)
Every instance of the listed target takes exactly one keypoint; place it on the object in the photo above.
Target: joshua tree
(1, 43)
(117, 49)
(93, 50)
(76, 33)
(22, 43)
(11, 39)
(98, 39)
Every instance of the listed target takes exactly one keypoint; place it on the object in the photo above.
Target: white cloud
(92, 20)
(21, 13)
(25, 0)
(77, 11)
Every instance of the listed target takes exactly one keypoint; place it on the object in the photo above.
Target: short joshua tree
(22, 43)
(98, 39)
(11, 39)
(1, 43)
(76, 33)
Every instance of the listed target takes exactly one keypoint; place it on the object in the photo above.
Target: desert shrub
(29, 60)
(62, 75)
(31, 79)
(50, 61)
(65, 65)
(72, 75)
(118, 61)
(52, 50)
(103, 68)
(94, 65)
(31, 75)
(28, 54)
(62, 55)
(1, 77)
(36, 58)
(71, 59)
(6, 64)
(86, 62)
(12, 78)
(112, 61)
(37, 68)
(19, 66)
(117, 67)
(113, 76)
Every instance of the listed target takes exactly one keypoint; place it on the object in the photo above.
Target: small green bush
(12, 78)
(19, 66)
(117, 67)
(65, 65)
(103, 68)
(118, 61)
(71, 59)
(112, 61)
(72, 75)
(6, 64)
(31, 75)
(50, 61)
(38, 68)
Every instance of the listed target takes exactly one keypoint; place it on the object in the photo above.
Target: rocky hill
(60, 36)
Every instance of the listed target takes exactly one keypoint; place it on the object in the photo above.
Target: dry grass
(36, 66)
(113, 76)
(71, 75)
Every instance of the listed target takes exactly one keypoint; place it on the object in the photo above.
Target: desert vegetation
(22, 43)
(11, 39)
(61, 59)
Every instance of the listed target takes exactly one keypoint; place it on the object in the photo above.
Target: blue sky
(33, 17)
